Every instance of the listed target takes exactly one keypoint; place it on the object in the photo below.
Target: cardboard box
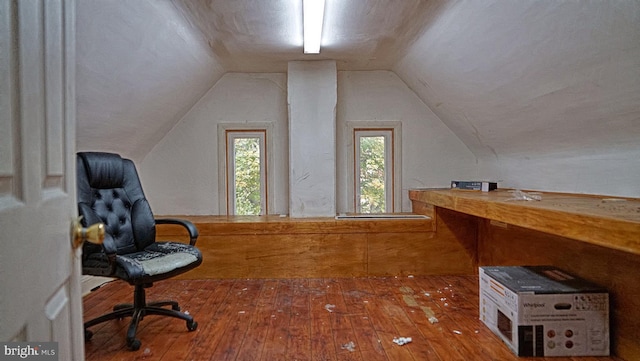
(474, 185)
(543, 311)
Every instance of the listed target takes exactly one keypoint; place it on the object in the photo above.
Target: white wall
(613, 173)
(545, 93)
(180, 173)
(312, 138)
(432, 155)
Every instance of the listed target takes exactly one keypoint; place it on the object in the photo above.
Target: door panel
(40, 299)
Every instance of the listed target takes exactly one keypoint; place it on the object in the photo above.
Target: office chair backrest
(109, 191)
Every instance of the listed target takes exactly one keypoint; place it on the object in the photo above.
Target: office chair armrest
(191, 228)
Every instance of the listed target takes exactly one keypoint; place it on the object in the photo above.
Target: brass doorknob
(92, 234)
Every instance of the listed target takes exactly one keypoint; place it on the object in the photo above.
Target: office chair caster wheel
(192, 325)
(134, 345)
(87, 335)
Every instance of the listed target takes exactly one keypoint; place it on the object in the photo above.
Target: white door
(39, 271)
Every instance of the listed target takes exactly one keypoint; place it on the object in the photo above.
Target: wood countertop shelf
(610, 222)
(279, 225)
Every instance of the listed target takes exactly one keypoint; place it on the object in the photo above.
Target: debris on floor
(430, 315)
(351, 346)
(329, 307)
(402, 340)
(457, 332)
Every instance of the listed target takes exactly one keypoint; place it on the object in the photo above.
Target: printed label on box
(543, 311)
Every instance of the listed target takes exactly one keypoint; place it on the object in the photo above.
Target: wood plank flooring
(305, 319)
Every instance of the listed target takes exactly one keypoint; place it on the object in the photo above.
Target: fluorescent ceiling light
(312, 17)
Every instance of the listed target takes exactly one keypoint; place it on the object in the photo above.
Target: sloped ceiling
(508, 77)
(140, 68)
(526, 78)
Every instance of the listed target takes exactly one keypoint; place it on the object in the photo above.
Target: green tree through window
(372, 174)
(247, 176)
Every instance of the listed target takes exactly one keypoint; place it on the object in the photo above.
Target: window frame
(392, 131)
(226, 179)
(387, 135)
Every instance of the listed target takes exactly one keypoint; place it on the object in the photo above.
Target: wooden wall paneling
(454, 242)
(308, 256)
(395, 254)
(401, 254)
(276, 247)
(172, 232)
(222, 257)
(256, 256)
(502, 244)
(218, 225)
(460, 230)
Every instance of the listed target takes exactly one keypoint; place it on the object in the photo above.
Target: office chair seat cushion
(158, 261)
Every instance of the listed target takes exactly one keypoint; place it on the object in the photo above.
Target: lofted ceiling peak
(508, 78)
(262, 36)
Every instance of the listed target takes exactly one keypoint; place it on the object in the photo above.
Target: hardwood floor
(305, 319)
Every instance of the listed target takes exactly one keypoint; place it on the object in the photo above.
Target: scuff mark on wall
(476, 133)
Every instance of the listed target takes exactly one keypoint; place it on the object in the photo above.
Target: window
(372, 166)
(373, 170)
(246, 178)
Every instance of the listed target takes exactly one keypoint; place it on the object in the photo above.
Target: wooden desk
(604, 221)
(597, 238)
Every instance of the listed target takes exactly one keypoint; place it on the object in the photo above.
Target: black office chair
(109, 192)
